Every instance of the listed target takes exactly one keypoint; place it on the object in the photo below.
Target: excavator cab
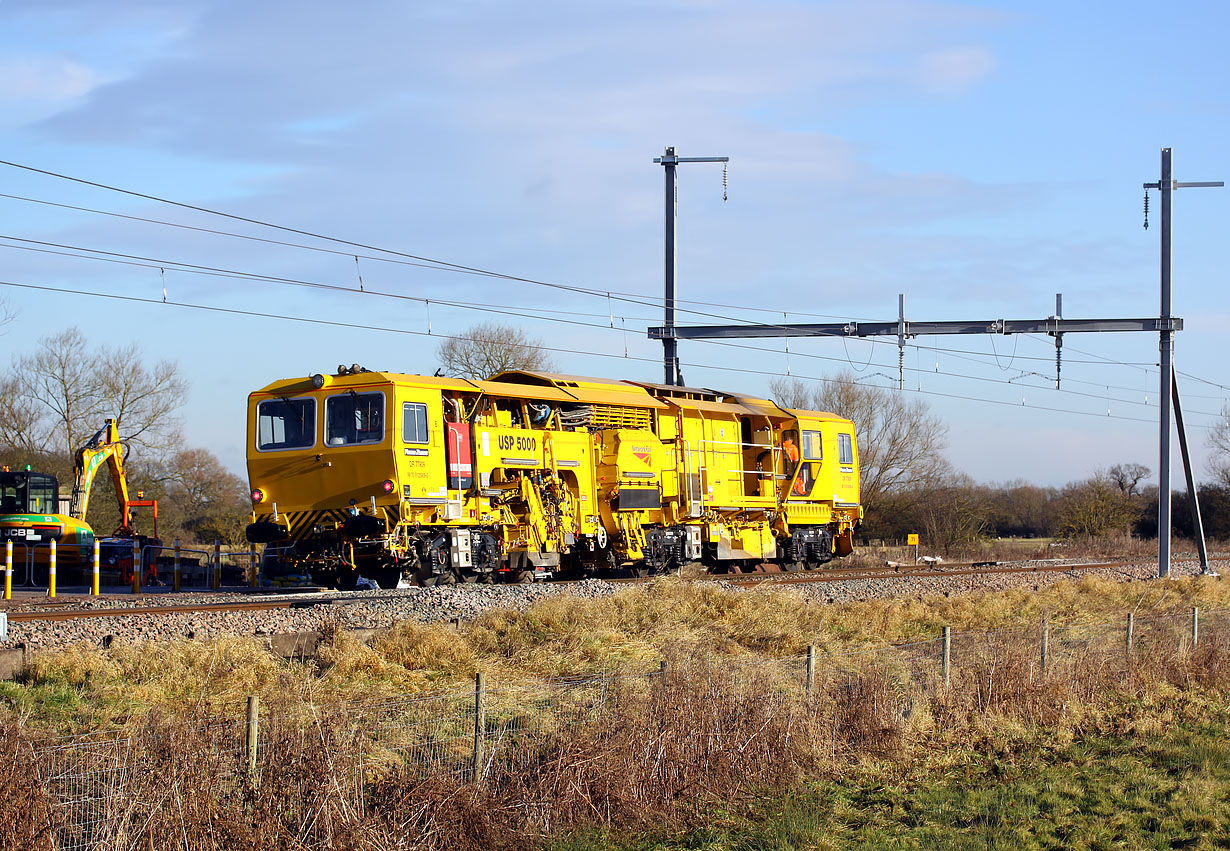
(24, 492)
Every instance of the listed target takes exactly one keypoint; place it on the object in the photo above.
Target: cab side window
(845, 449)
(414, 423)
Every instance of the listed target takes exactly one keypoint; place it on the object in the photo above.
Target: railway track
(60, 610)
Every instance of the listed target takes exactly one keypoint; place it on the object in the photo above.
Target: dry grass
(566, 636)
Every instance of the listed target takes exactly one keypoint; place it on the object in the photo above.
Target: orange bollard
(136, 566)
(8, 570)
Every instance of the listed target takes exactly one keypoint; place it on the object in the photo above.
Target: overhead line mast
(1167, 184)
(670, 352)
(1055, 326)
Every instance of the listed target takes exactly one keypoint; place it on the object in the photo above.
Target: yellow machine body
(532, 474)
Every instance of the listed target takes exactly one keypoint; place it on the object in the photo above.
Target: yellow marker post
(94, 588)
(912, 541)
(51, 571)
(177, 573)
(136, 566)
(8, 570)
(217, 565)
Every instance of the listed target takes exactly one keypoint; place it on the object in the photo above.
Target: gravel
(350, 610)
(383, 609)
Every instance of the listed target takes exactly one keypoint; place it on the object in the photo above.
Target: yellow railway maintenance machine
(532, 475)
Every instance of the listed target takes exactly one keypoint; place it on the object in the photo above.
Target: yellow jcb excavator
(30, 512)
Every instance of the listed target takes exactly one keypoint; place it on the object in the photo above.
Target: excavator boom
(103, 447)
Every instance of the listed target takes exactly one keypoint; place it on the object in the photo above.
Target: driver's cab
(23, 492)
(802, 452)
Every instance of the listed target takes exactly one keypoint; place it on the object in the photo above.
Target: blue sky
(977, 157)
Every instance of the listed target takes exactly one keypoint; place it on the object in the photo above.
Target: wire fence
(484, 733)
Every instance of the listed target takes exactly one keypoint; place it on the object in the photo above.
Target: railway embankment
(37, 624)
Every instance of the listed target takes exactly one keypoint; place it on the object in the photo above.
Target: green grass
(1096, 791)
(54, 704)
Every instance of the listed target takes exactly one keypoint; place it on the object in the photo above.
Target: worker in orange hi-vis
(792, 455)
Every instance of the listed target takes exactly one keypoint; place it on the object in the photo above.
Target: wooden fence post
(254, 703)
(946, 663)
(480, 724)
(1046, 642)
(811, 668)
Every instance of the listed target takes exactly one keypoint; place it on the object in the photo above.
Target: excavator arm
(103, 447)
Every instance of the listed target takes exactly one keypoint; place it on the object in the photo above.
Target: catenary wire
(421, 260)
(429, 262)
(159, 263)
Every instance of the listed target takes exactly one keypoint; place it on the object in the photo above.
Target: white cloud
(956, 70)
(45, 78)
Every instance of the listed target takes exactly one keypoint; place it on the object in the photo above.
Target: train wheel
(792, 566)
(446, 578)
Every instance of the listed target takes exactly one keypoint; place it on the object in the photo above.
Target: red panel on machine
(460, 457)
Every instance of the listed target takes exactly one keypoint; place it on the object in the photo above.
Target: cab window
(43, 497)
(285, 424)
(414, 423)
(29, 493)
(845, 449)
(812, 450)
(354, 418)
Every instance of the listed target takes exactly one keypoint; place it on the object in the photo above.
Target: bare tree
(1219, 442)
(59, 395)
(142, 400)
(200, 497)
(1127, 477)
(900, 443)
(61, 379)
(489, 348)
(21, 418)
